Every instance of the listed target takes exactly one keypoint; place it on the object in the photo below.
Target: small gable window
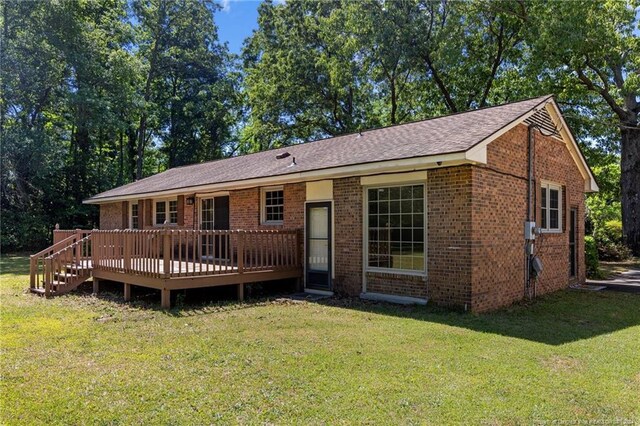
(551, 208)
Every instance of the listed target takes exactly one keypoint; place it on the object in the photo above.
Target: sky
(236, 21)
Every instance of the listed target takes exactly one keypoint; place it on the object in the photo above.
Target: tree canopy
(98, 93)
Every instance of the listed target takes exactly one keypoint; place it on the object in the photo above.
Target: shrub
(608, 238)
(591, 257)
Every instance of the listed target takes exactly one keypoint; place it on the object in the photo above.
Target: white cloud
(226, 5)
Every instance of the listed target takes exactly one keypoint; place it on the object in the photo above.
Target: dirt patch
(560, 364)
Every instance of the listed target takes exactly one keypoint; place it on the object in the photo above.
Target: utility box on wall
(529, 230)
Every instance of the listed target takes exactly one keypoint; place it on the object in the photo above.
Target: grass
(78, 359)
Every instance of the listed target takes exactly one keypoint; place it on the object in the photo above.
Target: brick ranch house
(434, 210)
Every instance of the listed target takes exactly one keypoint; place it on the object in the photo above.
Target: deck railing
(162, 253)
(39, 274)
(167, 253)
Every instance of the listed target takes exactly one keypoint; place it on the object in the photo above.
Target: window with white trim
(135, 222)
(166, 210)
(272, 211)
(396, 228)
(551, 208)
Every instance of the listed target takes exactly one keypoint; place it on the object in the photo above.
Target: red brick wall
(347, 198)
(554, 163)
(499, 211)
(111, 215)
(244, 208)
(449, 193)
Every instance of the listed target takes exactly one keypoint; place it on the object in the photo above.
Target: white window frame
(166, 202)
(263, 205)
(367, 268)
(547, 187)
(131, 215)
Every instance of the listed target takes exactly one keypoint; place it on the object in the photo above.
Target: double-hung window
(551, 208)
(166, 211)
(272, 206)
(396, 228)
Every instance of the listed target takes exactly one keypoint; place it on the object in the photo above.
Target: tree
(80, 84)
(590, 49)
(187, 97)
(301, 76)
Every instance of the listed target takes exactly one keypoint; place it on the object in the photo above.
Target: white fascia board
(590, 184)
(379, 167)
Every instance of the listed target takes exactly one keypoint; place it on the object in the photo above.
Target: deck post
(165, 298)
(33, 266)
(48, 277)
(127, 292)
(96, 285)
(241, 292)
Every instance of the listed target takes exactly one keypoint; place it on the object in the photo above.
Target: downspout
(529, 223)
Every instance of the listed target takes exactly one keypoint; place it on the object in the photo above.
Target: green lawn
(77, 359)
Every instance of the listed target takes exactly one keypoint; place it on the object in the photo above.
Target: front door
(214, 216)
(318, 246)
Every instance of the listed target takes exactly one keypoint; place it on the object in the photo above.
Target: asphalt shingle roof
(441, 135)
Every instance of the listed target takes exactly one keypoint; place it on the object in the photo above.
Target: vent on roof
(283, 155)
(544, 122)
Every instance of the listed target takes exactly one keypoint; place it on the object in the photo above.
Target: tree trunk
(132, 137)
(121, 159)
(630, 186)
(142, 133)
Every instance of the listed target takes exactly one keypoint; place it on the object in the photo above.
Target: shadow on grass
(14, 264)
(563, 317)
(191, 302)
(559, 318)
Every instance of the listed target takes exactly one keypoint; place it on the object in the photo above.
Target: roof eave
(362, 169)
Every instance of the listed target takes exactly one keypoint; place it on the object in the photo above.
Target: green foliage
(591, 257)
(77, 78)
(98, 93)
(609, 241)
(315, 69)
(604, 221)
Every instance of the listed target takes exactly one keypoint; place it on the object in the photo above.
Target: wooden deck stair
(62, 267)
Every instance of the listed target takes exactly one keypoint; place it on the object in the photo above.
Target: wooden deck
(166, 259)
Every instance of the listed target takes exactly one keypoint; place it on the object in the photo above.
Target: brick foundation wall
(397, 284)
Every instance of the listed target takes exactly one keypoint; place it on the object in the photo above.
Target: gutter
(366, 169)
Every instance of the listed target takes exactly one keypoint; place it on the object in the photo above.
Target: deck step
(67, 276)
